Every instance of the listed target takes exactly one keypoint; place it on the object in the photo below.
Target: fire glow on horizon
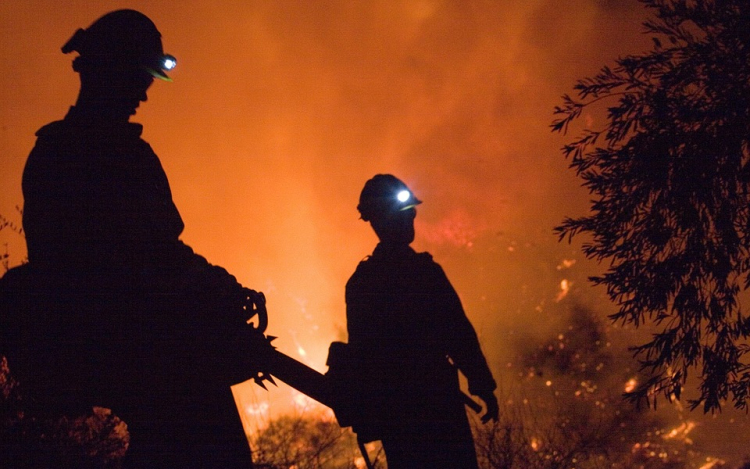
(280, 111)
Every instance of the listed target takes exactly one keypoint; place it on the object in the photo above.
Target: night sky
(281, 110)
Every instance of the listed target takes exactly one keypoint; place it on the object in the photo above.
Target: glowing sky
(281, 110)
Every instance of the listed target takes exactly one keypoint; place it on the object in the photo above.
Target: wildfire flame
(566, 264)
(631, 385)
(712, 463)
(535, 444)
(564, 289)
(302, 402)
(681, 432)
(257, 410)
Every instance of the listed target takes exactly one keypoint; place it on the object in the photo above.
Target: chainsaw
(294, 373)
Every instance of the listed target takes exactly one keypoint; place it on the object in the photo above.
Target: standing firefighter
(113, 310)
(408, 332)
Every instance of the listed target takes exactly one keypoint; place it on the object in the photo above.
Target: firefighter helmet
(121, 39)
(384, 194)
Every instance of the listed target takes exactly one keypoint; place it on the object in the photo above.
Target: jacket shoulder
(52, 130)
(425, 257)
(424, 260)
(364, 266)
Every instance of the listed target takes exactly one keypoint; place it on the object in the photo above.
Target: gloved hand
(253, 303)
(217, 286)
(490, 404)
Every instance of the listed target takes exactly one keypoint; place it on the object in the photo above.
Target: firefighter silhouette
(409, 334)
(113, 309)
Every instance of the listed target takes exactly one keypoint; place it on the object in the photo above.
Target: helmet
(122, 38)
(384, 194)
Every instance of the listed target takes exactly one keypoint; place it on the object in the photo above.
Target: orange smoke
(280, 111)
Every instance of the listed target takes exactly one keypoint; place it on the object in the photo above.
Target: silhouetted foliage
(6, 223)
(307, 442)
(98, 440)
(10, 399)
(670, 180)
(566, 413)
(576, 417)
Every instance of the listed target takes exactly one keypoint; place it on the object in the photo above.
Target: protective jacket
(410, 332)
(96, 200)
(114, 310)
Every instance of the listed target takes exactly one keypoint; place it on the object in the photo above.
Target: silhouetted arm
(357, 311)
(461, 339)
(102, 208)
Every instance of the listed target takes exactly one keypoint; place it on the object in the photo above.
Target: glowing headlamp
(163, 64)
(385, 195)
(168, 62)
(406, 200)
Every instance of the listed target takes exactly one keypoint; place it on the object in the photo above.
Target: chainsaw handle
(470, 403)
(254, 304)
